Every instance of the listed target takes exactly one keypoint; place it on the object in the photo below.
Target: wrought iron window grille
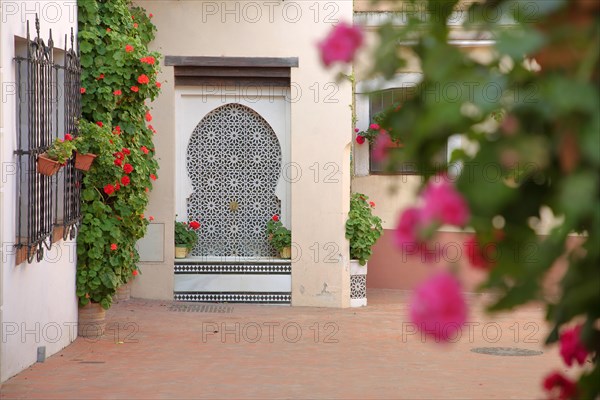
(49, 104)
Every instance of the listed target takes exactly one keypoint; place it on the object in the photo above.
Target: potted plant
(185, 237)
(89, 143)
(49, 162)
(280, 237)
(363, 229)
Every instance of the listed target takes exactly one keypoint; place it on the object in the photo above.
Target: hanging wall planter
(83, 162)
(47, 166)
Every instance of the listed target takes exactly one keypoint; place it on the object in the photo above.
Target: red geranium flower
(148, 116)
(144, 149)
(100, 124)
(372, 204)
(117, 186)
(118, 162)
(158, 85)
(125, 150)
(135, 89)
(128, 168)
(143, 79)
(68, 137)
(101, 76)
(153, 177)
(113, 246)
(109, 189)
(360, 139)
(119, 155)
(148, 60)
(108, 29)
(129, 48)
(151, 218)
(150, 15)
(117, 92)
(82, 90)
(275, 218)
(135, 272)
(194, 225)
(117, 130)
(125, 180)
(135, 25)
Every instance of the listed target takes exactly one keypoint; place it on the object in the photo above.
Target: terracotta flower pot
(92, 321)
(84, 161)
(123, 293)
(47, 166)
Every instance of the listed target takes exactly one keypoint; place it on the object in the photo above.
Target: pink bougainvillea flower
(356, 130)
(438, 307)
(68, 137)
(476, 255)
(408, 227)
(559, 385)
(341, 44)
(153, 177)
(128, 168)
(444, 204)
(135, 89)
(125, 180)
(148, 117)
(158, 85)
(113, 246)
(82, 90)
(117, 92)
(381, 146)
(109, 189)
(275, 218)
(194, 225)
(100, 124)
(143, 79)
(144, 149)
(128, 48)
(374, 126)
(126, 151)
(118, 162)
(571, 347)
(360, 139)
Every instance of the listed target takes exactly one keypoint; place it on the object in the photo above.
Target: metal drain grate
(506, 351)
(201, 308)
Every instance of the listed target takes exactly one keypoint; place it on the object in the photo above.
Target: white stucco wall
(320, 129)
(38, 306)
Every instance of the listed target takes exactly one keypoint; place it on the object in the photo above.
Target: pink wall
(389, 268)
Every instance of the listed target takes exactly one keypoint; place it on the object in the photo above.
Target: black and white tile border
(269, 269)
(240, 297)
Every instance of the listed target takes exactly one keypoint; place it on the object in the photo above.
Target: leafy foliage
(363, 229)
(539, 132)
(61, 150)
(118, 75)
(279, 236)
(185, 235)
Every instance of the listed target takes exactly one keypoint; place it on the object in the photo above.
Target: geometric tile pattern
(267, 269)
(234, 163)
(358, 286)
(239, 297)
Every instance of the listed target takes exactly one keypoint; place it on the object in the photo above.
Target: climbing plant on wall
(118, 76)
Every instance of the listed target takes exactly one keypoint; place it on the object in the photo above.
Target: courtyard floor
(162, 349)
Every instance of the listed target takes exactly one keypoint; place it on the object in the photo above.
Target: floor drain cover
(506, 351)
(203, 308)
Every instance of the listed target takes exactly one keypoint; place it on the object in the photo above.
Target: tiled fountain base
(233, 280)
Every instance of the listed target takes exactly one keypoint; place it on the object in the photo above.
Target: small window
(380, 101)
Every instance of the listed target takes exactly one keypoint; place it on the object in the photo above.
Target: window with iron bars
(48, 106)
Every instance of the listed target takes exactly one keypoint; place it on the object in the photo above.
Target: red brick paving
(152, 352)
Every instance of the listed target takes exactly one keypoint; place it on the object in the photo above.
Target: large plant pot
(358, 284)
(286, 253)
(123, 293)
(92, 321)
(46, 166)
(84, 161)
(181, 252)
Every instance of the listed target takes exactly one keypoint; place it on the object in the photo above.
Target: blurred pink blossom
(571, 348)
(341, 44)
(444, 204)
(438, 307)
